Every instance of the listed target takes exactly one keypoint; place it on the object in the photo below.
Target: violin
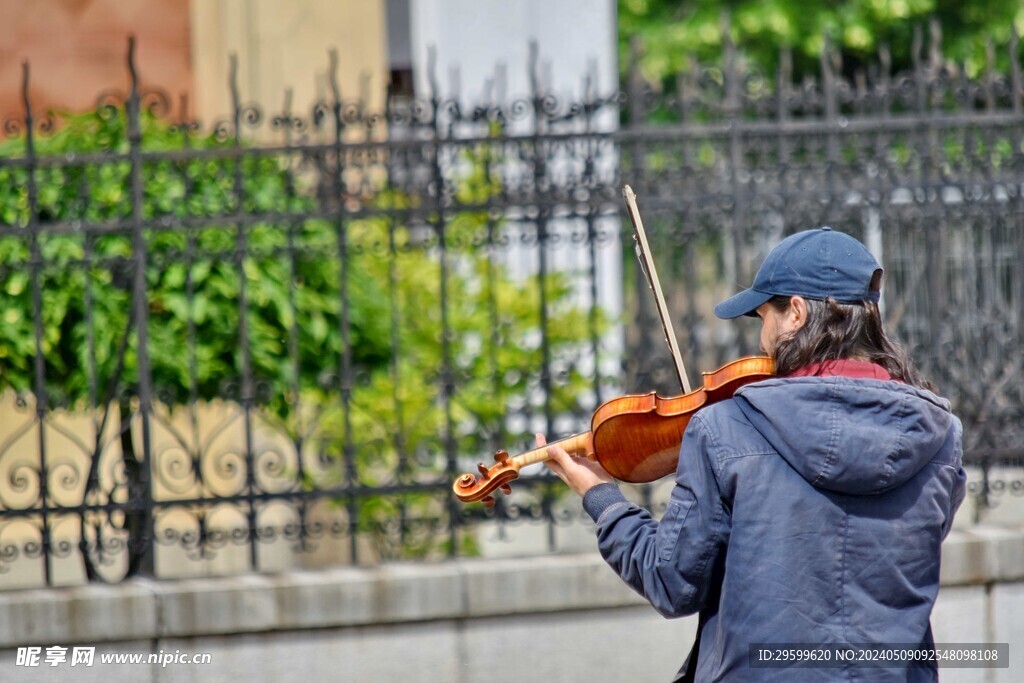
(635, 438)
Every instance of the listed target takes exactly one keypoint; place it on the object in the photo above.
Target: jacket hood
(852, 436)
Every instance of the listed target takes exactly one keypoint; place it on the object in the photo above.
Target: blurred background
(273, 274)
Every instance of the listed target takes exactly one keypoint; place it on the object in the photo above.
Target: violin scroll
(469, 488)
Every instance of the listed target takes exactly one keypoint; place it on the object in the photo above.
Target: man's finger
(555, 461)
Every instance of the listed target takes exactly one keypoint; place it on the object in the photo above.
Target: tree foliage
(673, 31)
(194, 277)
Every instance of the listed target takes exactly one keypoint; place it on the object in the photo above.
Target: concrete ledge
(543, 584)
(386, 595)
(100, 612)
(983, 555)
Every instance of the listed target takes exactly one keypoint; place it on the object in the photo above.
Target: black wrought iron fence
(284, 334)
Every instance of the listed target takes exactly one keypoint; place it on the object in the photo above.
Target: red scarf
(857, 369)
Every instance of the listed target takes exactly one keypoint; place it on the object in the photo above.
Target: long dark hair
(834, 331)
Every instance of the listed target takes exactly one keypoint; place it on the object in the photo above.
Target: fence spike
(783, 81)
(732, 76)
(25, 100)
(919, 73)
(935, 44)
(1015, 76)
(990, 75)
(332, 75)
(133, 73)
(435, 90)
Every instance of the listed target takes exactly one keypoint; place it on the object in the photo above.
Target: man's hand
(581, 474)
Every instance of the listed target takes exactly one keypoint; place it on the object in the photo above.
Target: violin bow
(643, 253)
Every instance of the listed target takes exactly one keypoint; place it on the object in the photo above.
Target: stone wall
(558, 618)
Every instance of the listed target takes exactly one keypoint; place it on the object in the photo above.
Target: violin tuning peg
(483, 469)
(506, 489)
(488, 502)
(501, 456)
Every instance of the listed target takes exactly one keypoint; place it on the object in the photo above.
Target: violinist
(809, 508)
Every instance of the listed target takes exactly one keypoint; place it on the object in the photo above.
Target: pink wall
(77, 49)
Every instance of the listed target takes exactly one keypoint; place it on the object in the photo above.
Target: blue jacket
(806, 510)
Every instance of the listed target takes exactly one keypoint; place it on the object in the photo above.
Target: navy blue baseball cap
(814, 264)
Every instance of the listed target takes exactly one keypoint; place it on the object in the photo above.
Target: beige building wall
(284, 44)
